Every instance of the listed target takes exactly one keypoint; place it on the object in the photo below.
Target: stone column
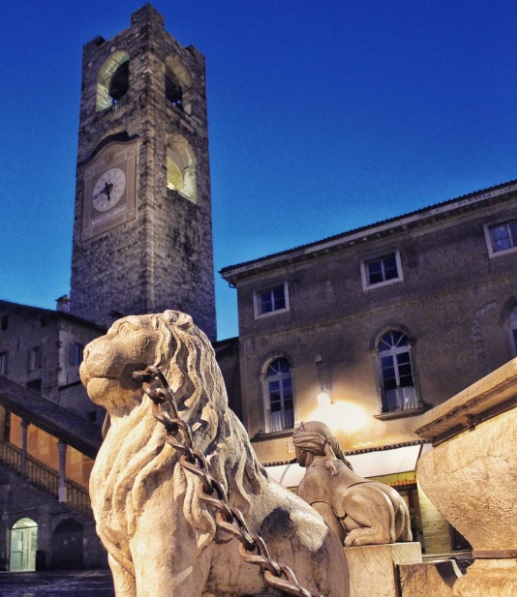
(470, 477)
(61, 448)
(25, 426)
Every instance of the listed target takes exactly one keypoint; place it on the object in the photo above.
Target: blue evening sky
(324, 116)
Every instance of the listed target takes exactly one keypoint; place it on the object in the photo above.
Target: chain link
(252, 548)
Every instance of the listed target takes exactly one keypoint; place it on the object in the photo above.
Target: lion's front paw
(353, 541)
(365, 536)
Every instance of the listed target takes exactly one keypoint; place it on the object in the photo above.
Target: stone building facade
(44, 464)
(39, 532)
(142, 242)
(142, 228)
(367, 329)
(41, 350)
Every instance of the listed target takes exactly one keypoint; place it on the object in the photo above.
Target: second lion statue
(161, 539)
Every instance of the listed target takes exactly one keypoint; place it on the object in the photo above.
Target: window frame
(487, 228)
(75, 356)
(257, 302)
(410, 405)
(365, 275)
(512, 330)
(280, 378)
(4, 362)
(35, 360)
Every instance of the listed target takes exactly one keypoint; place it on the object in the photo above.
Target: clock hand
(107, 189)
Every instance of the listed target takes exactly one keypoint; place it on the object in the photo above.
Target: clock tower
(142, 226)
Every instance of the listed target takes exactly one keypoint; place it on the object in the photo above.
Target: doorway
(67, 546)
(24, 543)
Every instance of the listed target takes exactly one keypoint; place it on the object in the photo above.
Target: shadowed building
(142, 243)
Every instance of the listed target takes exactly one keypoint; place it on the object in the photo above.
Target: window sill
(509, 251)
(367, 287)
(271, 313)
(400, 414)
(265, 435)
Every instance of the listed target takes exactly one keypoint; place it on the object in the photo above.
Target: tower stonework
(142, 226)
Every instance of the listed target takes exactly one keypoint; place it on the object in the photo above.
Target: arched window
(512, 325)
(113, 80)
(181, 168)
(173, 91)
(279, 385)
(398, 386)
(178, 84)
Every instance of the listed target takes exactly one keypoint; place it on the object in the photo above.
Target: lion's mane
(139, 455)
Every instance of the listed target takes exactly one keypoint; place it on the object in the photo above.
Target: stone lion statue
(161, 539)
(359, 511)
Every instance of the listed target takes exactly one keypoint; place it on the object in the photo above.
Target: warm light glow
(340, 416)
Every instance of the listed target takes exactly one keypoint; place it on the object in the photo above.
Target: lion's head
(169, 341)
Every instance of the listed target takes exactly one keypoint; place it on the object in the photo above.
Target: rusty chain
(252, 548)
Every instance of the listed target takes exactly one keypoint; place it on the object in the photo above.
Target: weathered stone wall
(26, 331)
(452, 303)
(19, 499)
(54, 334)
(163, 258)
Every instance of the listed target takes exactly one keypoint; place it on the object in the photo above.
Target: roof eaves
(52, 313)
(232, 272)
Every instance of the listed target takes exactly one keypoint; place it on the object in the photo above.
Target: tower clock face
(110, 181)
(108, 189)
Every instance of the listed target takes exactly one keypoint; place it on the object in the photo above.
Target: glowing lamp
(323, 399)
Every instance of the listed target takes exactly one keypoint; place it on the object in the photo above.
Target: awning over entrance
(374, 463)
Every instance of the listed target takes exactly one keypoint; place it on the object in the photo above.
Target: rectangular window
(35, 358)
(381, 270)
(3, 363)
(501, 237)
(272, 300)
(4, 323)
(76, 353)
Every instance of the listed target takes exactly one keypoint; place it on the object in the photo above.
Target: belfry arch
(112, 80)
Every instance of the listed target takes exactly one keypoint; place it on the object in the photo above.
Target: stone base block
(428, 578)
(373, 568)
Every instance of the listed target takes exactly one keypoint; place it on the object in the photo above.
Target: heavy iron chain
(230, 520)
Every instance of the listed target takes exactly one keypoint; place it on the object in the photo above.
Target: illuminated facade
(367, 329)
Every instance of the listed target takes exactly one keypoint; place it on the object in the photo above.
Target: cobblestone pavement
(76, 583)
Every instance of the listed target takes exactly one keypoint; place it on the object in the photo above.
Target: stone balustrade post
(61, 448)
(25, 426)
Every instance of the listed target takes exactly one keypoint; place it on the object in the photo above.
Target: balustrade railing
(45, 477)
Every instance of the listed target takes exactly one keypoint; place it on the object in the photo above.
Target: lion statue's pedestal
(160, 537)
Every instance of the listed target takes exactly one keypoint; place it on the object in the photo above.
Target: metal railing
(44, 477)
